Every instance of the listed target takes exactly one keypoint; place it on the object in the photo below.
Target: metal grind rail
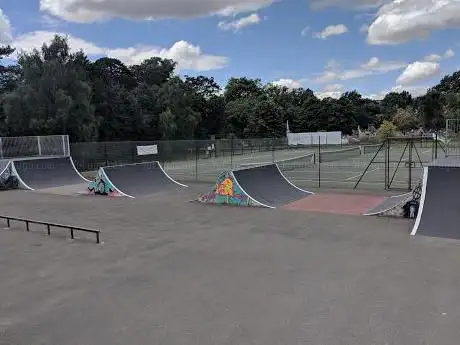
(49, 225)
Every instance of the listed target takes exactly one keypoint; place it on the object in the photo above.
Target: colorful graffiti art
(102, 186)
(227, 191)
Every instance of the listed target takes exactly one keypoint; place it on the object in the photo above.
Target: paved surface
(267, 185)
(140, 179)
(47, 173)
(173, 272)
(336, 203)
(440, 213)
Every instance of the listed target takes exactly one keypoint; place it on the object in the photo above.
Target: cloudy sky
(330, 46)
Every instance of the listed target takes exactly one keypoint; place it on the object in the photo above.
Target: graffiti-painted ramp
(264, 186)
(439, 203)
(46, 173)
(133, 180)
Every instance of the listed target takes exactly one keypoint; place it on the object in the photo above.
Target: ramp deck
(140, 179)
(47, 173)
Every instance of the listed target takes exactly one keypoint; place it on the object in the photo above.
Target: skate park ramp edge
(42, 173)
(133, 180)
(263, 186)
(439, 203)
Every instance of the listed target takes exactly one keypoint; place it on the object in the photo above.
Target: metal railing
(54, 225)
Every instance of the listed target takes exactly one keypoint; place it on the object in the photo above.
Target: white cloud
(449, 53)
(364, 29)
(96, 10)
(305, 30)
(5, 29)
(289, 83)
(415, 91)
(433, 58)
(418, 70)
(355, 4)
(50, 22)
(374, 66)
(241, 23)
(404, 20)
(34, 40)
(331, 90)
(187, 55)
(331, 30)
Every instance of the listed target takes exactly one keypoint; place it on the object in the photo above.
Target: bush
(387, 129)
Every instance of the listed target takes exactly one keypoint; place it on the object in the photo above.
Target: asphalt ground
(174, 272)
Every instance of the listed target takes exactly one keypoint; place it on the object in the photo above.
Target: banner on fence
(147, 150)
(314, 138)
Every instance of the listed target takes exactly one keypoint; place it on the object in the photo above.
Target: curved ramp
(390, 205)
(264, 186)
(132, 180)
(46, 173)
(439, 203)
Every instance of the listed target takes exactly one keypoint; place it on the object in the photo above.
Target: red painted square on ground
(336, 203)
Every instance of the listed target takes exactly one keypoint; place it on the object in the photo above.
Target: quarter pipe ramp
(46, 173)
(439, 203)
(132, 180)
(264, 186)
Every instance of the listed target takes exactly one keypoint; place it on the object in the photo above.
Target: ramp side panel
(101, 185)
(47, 173)
(391, 206)
(8, 180)
(140, 179)
(438, 214)
(268, 186)
(227, 191)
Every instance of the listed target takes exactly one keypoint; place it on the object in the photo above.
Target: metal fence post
(231, 152)
(39, 145)
(319, 161)
(197, 157)
(105, 155)
(436, 146)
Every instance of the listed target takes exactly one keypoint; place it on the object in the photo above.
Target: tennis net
(371, 148)
(299, 163)
(338, 155)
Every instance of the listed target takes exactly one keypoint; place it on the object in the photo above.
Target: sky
(329, 46)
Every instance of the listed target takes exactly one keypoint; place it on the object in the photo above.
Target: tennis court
(319, 167)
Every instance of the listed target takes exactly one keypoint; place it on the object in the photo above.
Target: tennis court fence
(203, 160)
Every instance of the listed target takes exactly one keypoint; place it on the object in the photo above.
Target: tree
(54, 94)
(405, 119)
(431, 108)
(386, 130)
(394, 101)
(238, 88)
(154, 71)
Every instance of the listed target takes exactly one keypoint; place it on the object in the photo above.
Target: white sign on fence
(147, 150)
(314, 138)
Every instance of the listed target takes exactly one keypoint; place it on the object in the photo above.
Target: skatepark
(171, 271)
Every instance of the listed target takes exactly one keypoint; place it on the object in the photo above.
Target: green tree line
(55, 91)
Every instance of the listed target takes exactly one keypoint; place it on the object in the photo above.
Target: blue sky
(330, 46)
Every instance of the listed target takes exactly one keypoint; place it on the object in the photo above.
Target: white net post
(39, 145)
(65, 145)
